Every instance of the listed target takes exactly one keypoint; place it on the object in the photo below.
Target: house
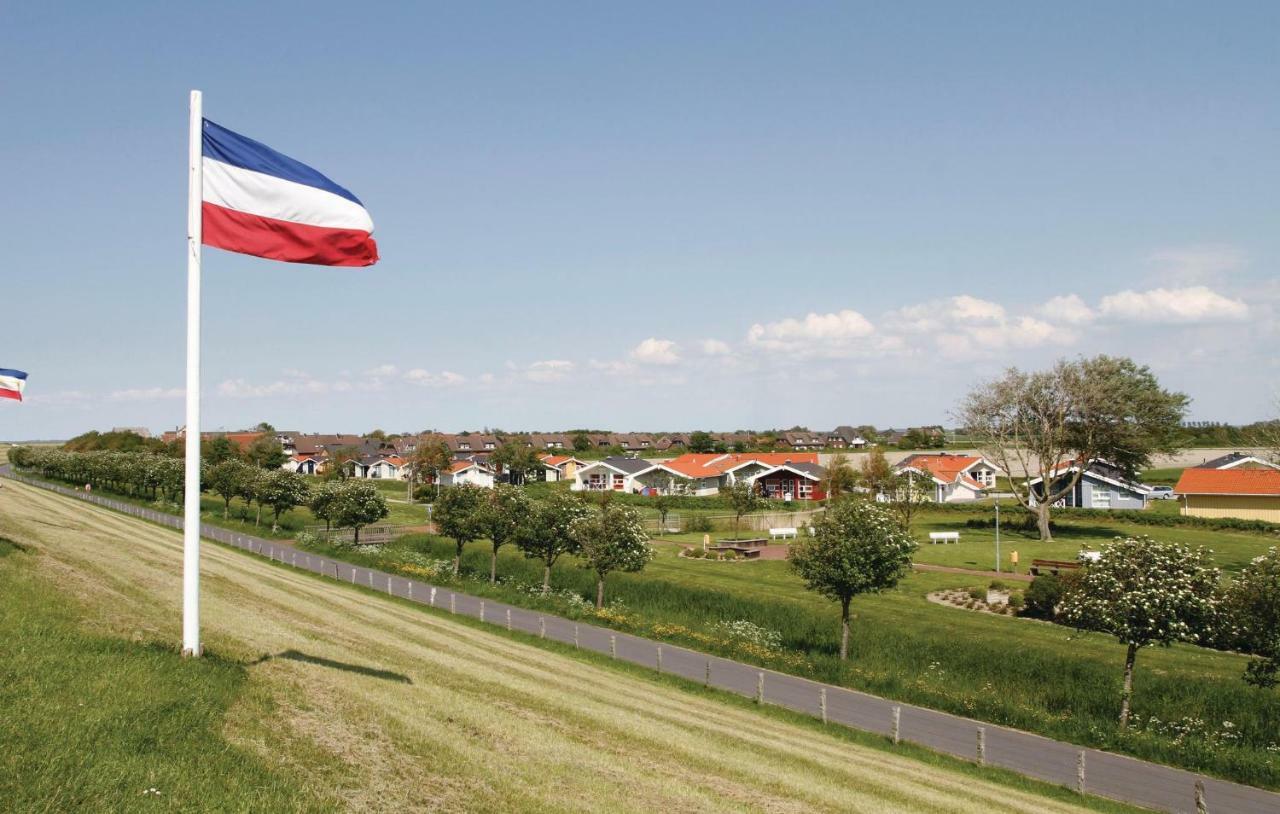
(615, 473)
(476, 473)
(706, 473)
(792, 481)
(804, 440)
(1239, 492)
(1101, 486)
(306, 464)
(565, 466)
(384, 467)
(956, 478)
(1237, 460)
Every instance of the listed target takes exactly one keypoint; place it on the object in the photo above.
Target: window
(1101, 498)
(618, 481)
(806, 490)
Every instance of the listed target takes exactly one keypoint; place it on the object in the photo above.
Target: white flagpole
(191, 499)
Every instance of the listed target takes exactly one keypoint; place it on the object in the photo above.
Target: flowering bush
(745, 632)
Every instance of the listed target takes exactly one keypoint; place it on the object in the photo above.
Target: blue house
(1101, 486)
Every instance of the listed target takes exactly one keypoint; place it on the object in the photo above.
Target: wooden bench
(783, 533)
(936, 537)
(1054, 567)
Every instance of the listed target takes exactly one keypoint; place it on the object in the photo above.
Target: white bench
(782, 533)
(936, 537)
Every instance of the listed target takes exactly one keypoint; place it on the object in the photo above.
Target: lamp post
(997, 534)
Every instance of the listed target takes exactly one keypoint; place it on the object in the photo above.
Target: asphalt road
(1107, 775)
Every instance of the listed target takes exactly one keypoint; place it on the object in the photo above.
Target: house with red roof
(780, 475)
(1244, 494)
(476, 473)
(956, 478)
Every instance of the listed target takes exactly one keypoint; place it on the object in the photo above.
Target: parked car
(1162, 493)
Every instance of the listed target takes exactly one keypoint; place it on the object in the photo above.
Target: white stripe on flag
(12, 383)
(259, 194)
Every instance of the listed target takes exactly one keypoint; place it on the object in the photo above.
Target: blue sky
(716, 215)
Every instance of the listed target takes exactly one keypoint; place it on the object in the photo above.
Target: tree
(612, 539)
(1253, 611)
(857, 548)
(265, 452)
(877, 475)
(1105, 407)
(323, 497)
(432, 455)
(662, 504)
(340, 461)
(517, 460)
(356, 504)
(547, 532)
(1144, 593)
(909, 491)
(282, 491)
(700, 441)
(505, 510)
(226, 481)
(743, 500)
(251, 486)
(841, 477)
(581, 442)
(219, 449)
(459, 514)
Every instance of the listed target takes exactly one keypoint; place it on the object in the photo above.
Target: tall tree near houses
(265, 452)
(282, 491)
(356, 504)
(1145, 593)
(909, 491)
(841, 477)
(1077, 411)
(612, 539)
(225, 481)
(547, 533)
(876, 474)
(743, 500)
(431, 454)
(516, 460)
(506, 508)
(857, 547)
(323, 498)
(458, 514)
(340, 463)
(1253, 613)
(218, 449)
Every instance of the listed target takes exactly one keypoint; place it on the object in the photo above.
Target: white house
(475, 473)
(956, 478)
(615, 473)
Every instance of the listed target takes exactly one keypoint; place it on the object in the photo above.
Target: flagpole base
(192, 652)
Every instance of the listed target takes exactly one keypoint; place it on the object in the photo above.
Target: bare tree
(1076, 412)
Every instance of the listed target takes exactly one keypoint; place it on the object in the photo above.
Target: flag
(12, 383)
(261, 202)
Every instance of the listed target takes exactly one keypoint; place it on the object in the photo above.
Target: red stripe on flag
(281, 240)
(16, 395)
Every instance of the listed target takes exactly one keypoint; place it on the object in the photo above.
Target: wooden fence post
(481, 610)
(1080, 772)
(706, 679)
(508, 619)
(542, 627)
(575, 634)
(1202, 807)
(760, 687)
(433, 596)
(982, 746)
(659, 658)
(897, 725)
(453, 603)
(822, 703)
(613, 646)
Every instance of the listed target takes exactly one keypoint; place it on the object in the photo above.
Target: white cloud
(1194, 265)
(147, 394)
(654, 351)
(549, 370)
(1173, 306)
(971, 309)
(426, 378)
(1068, 308)
(382, 371)
(817, 334)
(714, 347)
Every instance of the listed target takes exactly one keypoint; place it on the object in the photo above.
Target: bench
(782, 534)
(1054, 567)
(936, 537)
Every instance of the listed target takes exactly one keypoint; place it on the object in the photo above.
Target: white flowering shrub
(742, 630)
(1145, 593)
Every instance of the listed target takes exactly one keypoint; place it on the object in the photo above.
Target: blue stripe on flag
(17, 374)
(232, 148)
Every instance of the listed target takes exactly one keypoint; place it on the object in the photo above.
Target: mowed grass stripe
(506, 723)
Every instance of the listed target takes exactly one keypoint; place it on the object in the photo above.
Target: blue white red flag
(261, 202)
(12, 383)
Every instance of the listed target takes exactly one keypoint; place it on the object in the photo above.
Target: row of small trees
(344, 504)
(606, 539)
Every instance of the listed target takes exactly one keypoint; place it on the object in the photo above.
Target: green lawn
(93, 723)
(1023, 673)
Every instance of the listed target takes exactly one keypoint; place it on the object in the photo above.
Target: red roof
(710, 464)
(1229, 482)
(944, 467)
(556, 460)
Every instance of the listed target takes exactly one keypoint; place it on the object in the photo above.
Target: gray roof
(1225, 460)
(629, 465)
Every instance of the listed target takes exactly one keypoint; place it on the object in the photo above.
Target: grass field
(324, 697)
(1036, 676)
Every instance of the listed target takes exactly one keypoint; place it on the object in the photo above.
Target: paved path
(948, 569)
(1108, 775)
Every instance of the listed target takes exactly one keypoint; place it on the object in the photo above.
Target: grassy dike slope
(353, 701)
